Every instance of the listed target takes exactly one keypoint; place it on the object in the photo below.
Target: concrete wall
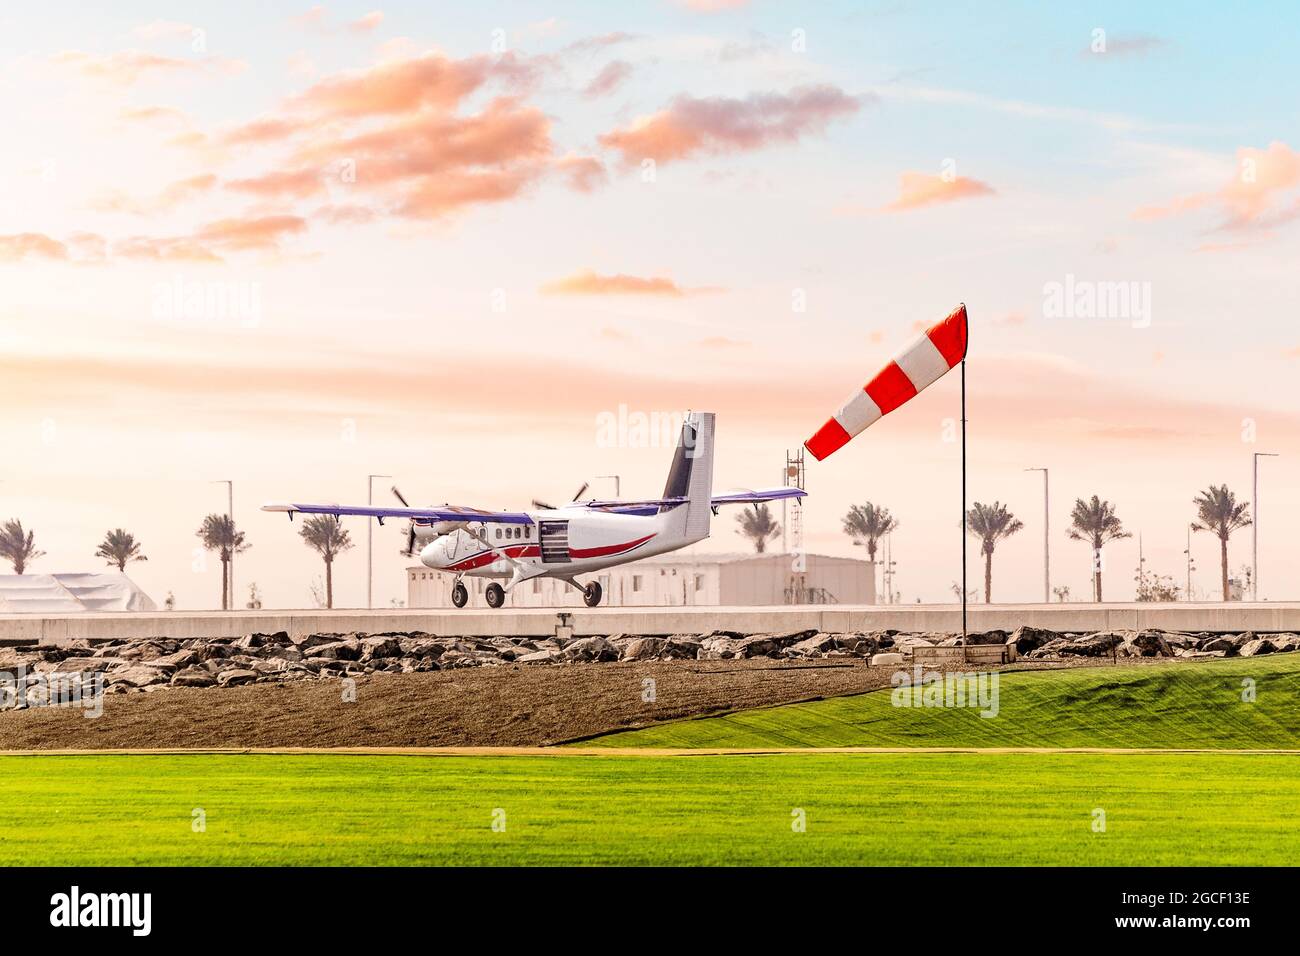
(1263, 617)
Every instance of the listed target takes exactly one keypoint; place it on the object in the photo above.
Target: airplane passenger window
(498, 532)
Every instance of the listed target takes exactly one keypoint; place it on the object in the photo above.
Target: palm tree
(990, 523)
(756, 524)
(218, 533)
(867, 524)
(17, 546)
(1095, 522)
(119, 547)
(324, 533)
(1218, 511)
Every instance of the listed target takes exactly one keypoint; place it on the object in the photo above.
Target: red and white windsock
(922, 363)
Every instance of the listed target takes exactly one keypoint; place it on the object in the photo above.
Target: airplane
(566, 542)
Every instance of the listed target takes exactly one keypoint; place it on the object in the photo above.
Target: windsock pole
(963, 509)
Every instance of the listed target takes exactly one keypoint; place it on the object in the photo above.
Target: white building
(72, 593)
(674, 580)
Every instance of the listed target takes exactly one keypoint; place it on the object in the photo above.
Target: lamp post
(1254, 527)
(1047, 567)
(1190, 566)
(370, 541)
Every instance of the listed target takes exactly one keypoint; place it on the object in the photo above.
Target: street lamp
(1047, 566)
(1254, 527)
(1191, 566)
(370, 541)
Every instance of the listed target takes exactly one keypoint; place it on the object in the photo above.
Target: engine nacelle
(439, 528)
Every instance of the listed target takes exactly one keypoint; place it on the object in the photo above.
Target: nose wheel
(459, 595)
(495, 594)
(591, 594)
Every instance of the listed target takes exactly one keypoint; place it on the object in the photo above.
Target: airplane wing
(753, 497)
(418, 515)
(732, 498)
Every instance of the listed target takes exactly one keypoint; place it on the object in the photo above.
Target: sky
(294, 246)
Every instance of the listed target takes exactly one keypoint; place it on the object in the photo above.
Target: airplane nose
(433, 553)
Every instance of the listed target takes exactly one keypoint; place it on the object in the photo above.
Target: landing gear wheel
(591, 594)
(459, 595)
(495, 594)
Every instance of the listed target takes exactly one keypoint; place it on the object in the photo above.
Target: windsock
(922, 363)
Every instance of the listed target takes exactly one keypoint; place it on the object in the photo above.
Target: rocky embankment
(152, 664)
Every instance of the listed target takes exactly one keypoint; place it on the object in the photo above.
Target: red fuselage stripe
(608, 549)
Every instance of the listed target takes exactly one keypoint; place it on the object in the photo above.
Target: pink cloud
(1262, 194)
(584, 173)
(369, 23)
(30, 245)
(719, 125)
(124, 67)
(295, 183)
(609, 79)
(921, 189)
(588, 282)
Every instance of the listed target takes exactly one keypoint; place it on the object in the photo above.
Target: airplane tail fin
(691, 475)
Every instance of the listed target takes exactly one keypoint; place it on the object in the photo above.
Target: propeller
(410, 525)
(538, 503)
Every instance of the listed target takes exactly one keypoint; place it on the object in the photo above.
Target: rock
(1285, 642)
(10, 658)
(212, 651)
(541, 657)
(348, 649)
(74, 665)
(193, 677)
(862, 645)
(719, 647)
(642, 648)
(1148, 643)
(1260, 645)
(183, 658)
(905, 642)
(1029, 639)
(1225, 643)
(378, 647)
(421, 647)
(681, 647)
(764, 645)
(886, 660)
(987, 637)
(289, 653)
(234, 676)
(591, 649)
(306, 642)
(136, 674)
(814, 646)
(1091, 645)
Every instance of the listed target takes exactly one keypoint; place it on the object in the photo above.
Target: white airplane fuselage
(561, 542)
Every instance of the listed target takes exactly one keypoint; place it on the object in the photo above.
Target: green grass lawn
(943, 809)
(1166, 706)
